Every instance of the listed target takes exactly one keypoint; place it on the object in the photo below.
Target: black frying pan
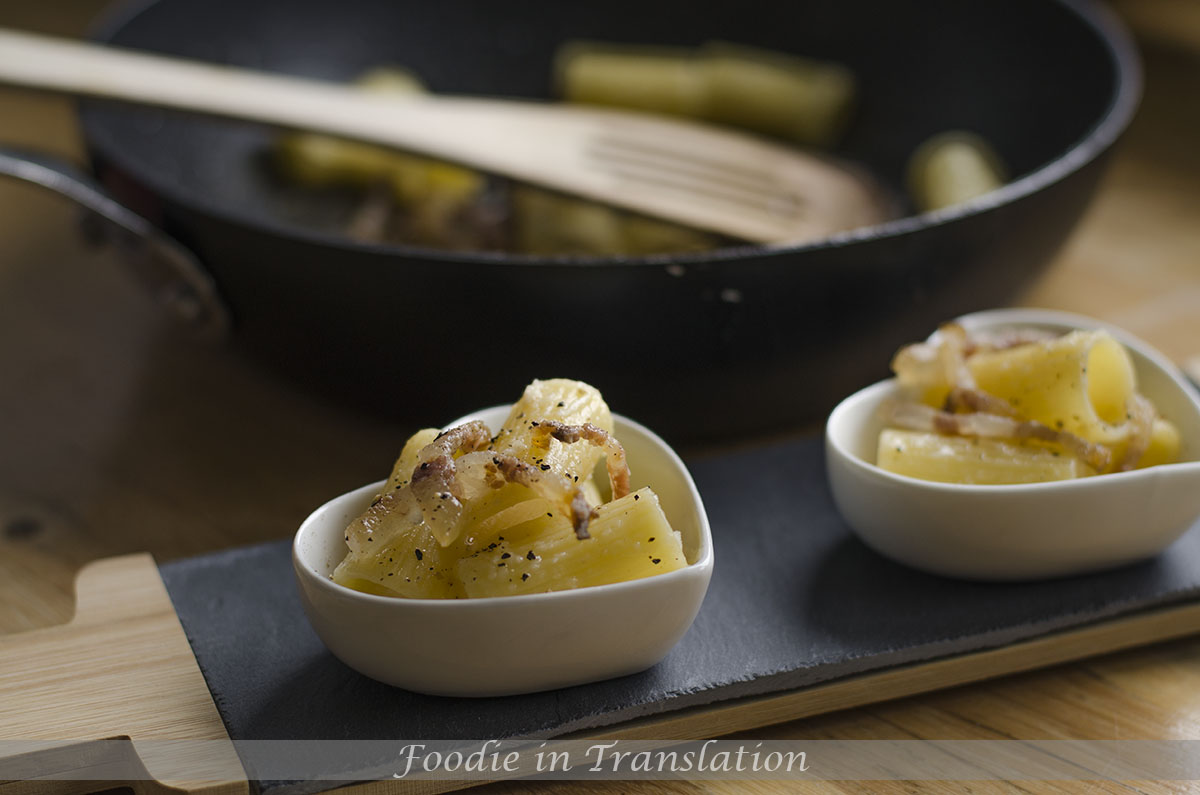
(709, 345)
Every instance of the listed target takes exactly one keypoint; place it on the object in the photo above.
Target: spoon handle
(525, 140)
(73, 67)
(529, 141)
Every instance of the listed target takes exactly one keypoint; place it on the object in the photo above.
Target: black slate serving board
(795, 600)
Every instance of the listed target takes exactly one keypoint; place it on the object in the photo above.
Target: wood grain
(119, 435)
(121, 668)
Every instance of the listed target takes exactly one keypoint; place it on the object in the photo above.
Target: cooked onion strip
(1003, 339)
(1141, 428)
(434, 481)
(919, 417)
(391, 513)
(618, 467)
(431, 495)
(522, 512)
(496, 469)
(941, 361)
(952, 354)
(917, 365)
(975, 399)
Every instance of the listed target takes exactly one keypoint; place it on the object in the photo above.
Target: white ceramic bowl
(1016, 532)
(513, 644)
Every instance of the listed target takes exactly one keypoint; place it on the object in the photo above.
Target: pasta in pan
(1020, 407)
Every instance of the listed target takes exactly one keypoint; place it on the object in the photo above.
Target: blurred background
(119, 433)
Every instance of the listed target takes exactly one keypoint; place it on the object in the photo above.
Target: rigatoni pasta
(433, 196)
(953, 167)
(630, 539)
(798, 99)
(1020, 407)
(468, 514)
(1082, 382)
(961, 459)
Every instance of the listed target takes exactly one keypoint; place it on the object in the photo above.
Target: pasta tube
(413, 564)
(656, 79)
(799, 99)
(951, 168)
(434, 189)
(795, 98)
(563, 400)
(631, 539)
(1164, 444)
(1082, 383)
(489, 513)
(550, 223)
(957, 459)
(403, 468)
(643, 235)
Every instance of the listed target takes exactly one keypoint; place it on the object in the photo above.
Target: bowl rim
(701, 567)
(834, 426)
(1103, 132)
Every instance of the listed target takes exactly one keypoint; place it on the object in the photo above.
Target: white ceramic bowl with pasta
(511, 644)
(1026, 531)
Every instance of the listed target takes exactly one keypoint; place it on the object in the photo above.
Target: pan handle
(166, 268)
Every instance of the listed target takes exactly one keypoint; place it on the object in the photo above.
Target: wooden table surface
(119, 434)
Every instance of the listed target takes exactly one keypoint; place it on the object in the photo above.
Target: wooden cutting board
(801, 619)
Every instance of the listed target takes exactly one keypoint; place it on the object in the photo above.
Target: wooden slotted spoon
(694, 174)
